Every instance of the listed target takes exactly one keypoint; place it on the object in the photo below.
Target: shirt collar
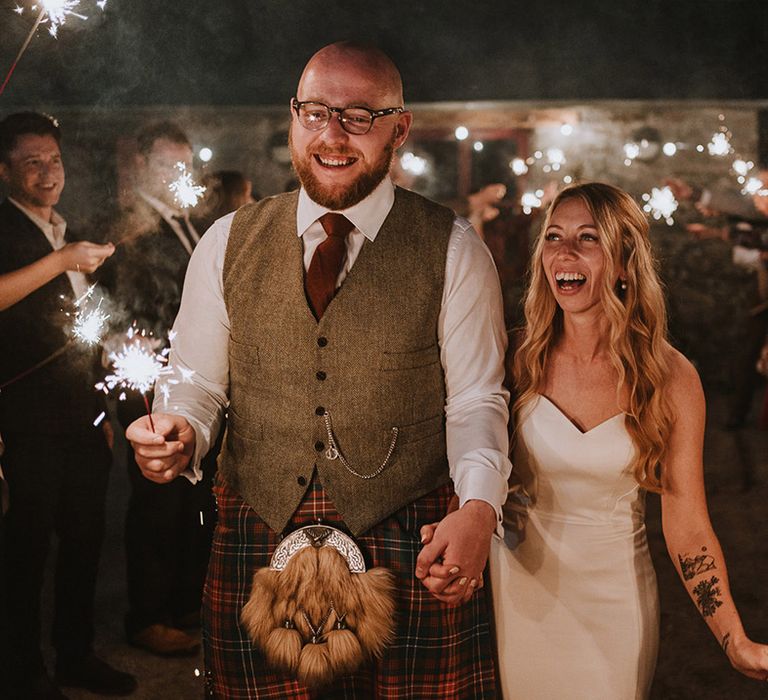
(56, 222)
(367, 215)
(161, 207)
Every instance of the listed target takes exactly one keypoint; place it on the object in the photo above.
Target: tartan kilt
(439, 653)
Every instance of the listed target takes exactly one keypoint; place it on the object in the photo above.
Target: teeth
(325, 160)
(570, 277)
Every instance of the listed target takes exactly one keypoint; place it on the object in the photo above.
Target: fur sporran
(315, 613)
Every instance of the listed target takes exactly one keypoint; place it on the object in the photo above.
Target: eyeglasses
(354, 120)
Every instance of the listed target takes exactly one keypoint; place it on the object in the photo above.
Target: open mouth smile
(569, 281)
(335, 161)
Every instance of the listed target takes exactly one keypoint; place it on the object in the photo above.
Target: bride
(605, 410)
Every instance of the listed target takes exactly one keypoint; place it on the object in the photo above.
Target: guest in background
(56, 458)
(168, 527)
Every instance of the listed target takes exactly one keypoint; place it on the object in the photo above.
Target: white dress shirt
(54, 231)
(471, 336)
(168, 214)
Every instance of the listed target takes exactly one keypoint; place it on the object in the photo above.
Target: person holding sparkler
(56, 459)
(355, 330)
(155, 239)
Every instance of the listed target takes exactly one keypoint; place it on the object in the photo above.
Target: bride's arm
(691, 541)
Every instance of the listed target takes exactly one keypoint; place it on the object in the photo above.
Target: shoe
(40, 687)
(165, 641)
(94, 674)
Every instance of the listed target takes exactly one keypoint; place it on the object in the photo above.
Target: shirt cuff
(473, 481)
(194, 472)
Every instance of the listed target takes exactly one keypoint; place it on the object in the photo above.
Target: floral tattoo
(708, 594)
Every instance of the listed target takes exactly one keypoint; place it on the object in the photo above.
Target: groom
(326, 318)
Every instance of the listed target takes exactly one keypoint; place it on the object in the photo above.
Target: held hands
(162, 455)
(749, 658)
(83, 256)
(455, 551)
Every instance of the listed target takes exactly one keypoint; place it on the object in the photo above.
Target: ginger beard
(341, 196)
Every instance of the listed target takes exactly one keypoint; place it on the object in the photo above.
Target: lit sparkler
(89, 326)
(57, 11)
(185, 190)
(661, 204)
(135, 367)
(90, 323)
(754, 186)
(720, 144)
(530, 201)
(52, 12)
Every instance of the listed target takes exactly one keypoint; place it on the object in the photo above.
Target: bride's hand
(749, 658)
(428, 531)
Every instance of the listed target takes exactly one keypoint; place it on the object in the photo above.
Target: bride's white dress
(576, 603)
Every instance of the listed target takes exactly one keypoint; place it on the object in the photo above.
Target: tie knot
(336, 225)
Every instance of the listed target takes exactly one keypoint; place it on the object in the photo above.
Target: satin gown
(575, 596)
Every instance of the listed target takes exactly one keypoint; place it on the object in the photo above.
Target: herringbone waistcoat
(372, 363)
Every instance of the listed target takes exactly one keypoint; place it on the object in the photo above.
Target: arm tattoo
(693, 566)
(726, 641)
(707, 594)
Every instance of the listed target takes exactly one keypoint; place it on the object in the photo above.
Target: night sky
(230, 52)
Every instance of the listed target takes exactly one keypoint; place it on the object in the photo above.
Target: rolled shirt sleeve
(200, 347)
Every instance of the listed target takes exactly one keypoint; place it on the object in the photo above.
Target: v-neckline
(570, 422)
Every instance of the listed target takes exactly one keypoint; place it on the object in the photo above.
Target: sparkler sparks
(720, 145)
(57, 11)
(185, 190)
(90, 324)
(52, 12)
(754, 186)
(135, 367)
(530, 201)
(661, 204)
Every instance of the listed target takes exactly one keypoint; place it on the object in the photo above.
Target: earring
(623, 285)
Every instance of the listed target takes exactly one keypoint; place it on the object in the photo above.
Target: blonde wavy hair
(637, 319)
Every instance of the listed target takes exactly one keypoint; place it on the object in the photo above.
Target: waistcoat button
(319, 445)
(321, 375)
(301, 481)
(319, 411)
(322, 341)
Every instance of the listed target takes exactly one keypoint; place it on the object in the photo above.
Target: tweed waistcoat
(372, 363)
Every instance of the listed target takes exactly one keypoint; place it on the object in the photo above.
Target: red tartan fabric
(440, 653)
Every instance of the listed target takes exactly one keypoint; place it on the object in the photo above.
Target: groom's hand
(452, 561)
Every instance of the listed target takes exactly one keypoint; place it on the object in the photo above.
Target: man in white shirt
(363, 401)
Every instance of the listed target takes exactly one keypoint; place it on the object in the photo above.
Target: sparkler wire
(40, 18)
(149, 412)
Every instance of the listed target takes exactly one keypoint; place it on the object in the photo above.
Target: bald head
(361, 68)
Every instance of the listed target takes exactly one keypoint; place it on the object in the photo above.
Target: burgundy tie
(326, 262)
